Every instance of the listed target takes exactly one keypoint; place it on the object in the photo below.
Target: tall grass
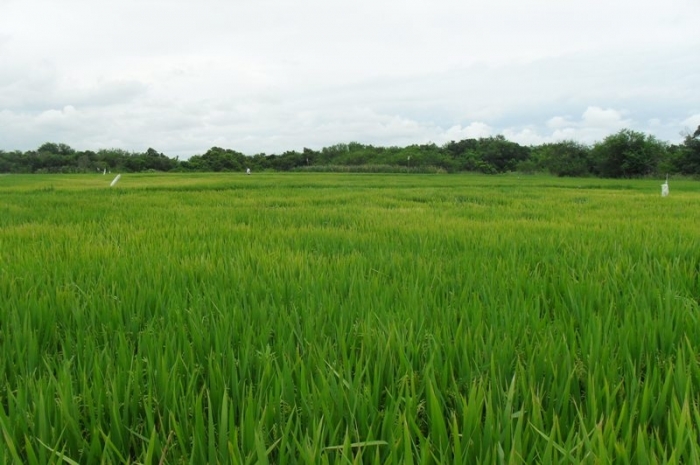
(312, 318)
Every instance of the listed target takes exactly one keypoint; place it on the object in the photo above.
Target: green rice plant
(348, 318)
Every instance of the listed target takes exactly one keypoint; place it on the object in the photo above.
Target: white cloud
(603, 118)
(526, 136)
(273, 76)
(474, 130)
(558, 122)
(691, 122)
(594, 124)
(57, 116)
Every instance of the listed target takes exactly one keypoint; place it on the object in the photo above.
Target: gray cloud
(270, 76)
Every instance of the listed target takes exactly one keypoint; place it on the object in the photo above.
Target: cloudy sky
(273, 75)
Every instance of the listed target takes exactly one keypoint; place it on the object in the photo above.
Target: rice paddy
(338, 318)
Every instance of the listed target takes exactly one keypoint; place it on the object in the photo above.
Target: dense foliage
(626, 154)
(379, 319)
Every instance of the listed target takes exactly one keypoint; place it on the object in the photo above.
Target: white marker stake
(115, 180)
(664, 188)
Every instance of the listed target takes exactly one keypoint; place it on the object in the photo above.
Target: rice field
(339, 318)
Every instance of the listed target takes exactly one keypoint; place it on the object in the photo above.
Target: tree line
(625, 154)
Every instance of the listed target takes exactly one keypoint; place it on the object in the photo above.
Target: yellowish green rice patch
(316, 318)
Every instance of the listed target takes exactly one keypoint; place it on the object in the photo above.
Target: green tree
(7, 161)
(687, 159)
(56, 149)
(628, 154)
(565, 158)
(466, 156)
(113, 159)
(501, 154)
(219, 159)
(333, 154)
(154, 160)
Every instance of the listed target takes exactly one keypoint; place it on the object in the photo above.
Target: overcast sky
(273, 75)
